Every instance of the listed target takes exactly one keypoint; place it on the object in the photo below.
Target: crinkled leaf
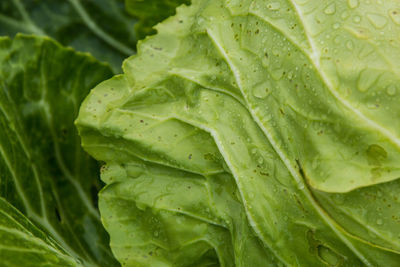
(101, 27)
(292, 102)
(150, 12)
(44, 173)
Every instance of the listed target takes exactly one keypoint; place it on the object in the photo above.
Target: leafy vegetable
(254, 133)
(44, 173)
(100, 27)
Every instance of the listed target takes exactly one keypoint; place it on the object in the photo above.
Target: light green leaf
(44, 173)
(23, 244)
(293, 102)
(150, 12)
(100, 27)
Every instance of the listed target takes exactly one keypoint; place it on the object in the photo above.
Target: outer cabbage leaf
(100, 27)
(150, 12)
(18, 235)
(44, 173)
(291, 102)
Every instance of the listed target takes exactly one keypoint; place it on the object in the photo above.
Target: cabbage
(254, 133)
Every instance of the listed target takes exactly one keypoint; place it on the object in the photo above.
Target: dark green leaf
(23, 244)
(100, 27)
(44, 172)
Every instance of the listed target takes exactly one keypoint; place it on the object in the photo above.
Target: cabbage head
(254, 133)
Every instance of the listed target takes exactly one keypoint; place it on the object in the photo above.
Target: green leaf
(100, 27)
(44, 173)
(294, 103)
(150, 12)
(18, 236)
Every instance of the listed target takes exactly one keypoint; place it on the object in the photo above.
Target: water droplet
(376, 155)
(372, 106)
(352, 3)
(275, 52)
(336, 40)
(336, 26)
(200, 21)
(330, 9)
(366, 51)
(260, 160)
(254, 150)
(300, 186)
(265, 60)
(345, 15)
(379, 222)
(356, 19)
(391, 90)
(277, 74)
(327, 255)
(377, 20)
(261, 90)
(274, 6)
(349, 45)
(366, 79)
(290, 75)
(360, 33)
(395, 15)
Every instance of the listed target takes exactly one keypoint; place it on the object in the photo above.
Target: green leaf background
(44, 172)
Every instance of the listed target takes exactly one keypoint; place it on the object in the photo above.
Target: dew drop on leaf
(336, 26)
(377, 21)
(336, 40)
(261, 90)
(345, 15)
(391, 90)
(330, 9)
(274, 6)
(277, 74)
(395, 15)
(356, 19)
(349, 45)
(372, 106)
(352, 3)
(328, 255)
(366, 78)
